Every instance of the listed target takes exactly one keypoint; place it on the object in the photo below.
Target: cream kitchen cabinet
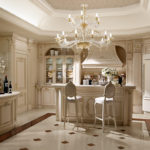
(58, 69)
(8, 109)
(48, 97)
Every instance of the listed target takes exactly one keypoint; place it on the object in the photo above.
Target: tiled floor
(50, 134)
(32, 114)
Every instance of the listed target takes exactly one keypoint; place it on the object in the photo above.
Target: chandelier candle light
(84, 34)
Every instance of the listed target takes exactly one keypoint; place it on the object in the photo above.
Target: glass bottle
(10, 87)
(1, 87)
(5, 85)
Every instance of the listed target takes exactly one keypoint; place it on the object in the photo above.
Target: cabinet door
(69, 69)
(49, 70)
(48, 97)
(21, 81)
(59, 70)
(6, 113)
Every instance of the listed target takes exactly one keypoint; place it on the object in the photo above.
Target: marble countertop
(63, 85)
(14, 93)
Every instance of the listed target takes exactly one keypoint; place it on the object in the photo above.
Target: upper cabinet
(59, 65)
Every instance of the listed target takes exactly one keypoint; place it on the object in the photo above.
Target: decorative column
(145, 76)
(129, 63)
(77, 67)
(137, 76)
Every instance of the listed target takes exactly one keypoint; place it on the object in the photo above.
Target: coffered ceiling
(46, 18)
(92, 4)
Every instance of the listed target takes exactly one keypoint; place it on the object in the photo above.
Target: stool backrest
(109, 90)
(70, 89)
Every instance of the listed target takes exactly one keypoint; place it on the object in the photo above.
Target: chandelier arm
(84, 33)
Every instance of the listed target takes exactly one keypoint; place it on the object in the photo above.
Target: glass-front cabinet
(49, 70)
(59, 68)
(69, 69)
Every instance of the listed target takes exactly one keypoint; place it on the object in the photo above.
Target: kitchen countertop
(14, 93)
(62, 85)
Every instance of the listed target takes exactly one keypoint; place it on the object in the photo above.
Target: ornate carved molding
(137, 46)
(129, 56)
(146, 46)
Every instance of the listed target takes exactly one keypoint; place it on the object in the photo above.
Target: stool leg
(95, 114)
(114, 116)
(103, 116)
(107, 109)
(82, 112)
(65, 114)
(76, 108)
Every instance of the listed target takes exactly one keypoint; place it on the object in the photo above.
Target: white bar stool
(71, 97)
(106, 101)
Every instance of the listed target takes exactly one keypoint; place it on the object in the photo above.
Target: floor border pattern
(19, 129)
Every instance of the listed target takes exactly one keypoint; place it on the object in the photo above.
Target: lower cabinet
(7, 114)
(48, 97)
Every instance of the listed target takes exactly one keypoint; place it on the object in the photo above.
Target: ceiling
(92, 4)
(45, 18)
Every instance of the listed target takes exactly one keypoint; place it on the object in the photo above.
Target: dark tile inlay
(95, 135)
(64, 142)
(23, 149)
(56, 124)
(122, 137)
(123, 130)
(71, 133)
(91, 144)
(120, 147)
(48, 130)
(37, 139)
(99, 128)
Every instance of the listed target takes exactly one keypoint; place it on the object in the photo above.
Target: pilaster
(137, 76)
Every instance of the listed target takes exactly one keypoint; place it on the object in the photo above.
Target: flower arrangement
(108, 72)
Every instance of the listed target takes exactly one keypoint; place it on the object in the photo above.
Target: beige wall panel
(21, 73)
(21, 81)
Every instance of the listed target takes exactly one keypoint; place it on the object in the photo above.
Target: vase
(109, 78)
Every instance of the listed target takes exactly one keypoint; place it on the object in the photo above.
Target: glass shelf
(57, 66)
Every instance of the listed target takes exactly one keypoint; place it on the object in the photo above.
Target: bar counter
(123, 97)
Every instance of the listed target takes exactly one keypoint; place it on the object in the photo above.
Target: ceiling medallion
(85, 32)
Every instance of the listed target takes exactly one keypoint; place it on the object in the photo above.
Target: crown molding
(127, 10)
(45, 35)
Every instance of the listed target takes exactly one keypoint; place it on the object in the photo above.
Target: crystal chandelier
(84, 33)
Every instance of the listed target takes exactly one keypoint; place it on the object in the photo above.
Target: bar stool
(71, 97)
(106, 101)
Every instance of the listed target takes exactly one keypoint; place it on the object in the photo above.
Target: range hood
(102, 57)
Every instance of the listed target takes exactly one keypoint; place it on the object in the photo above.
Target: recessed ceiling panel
(92, 4)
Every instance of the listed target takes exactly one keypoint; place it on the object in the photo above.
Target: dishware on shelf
(50, 68)
(56, 53)
(52, 52)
